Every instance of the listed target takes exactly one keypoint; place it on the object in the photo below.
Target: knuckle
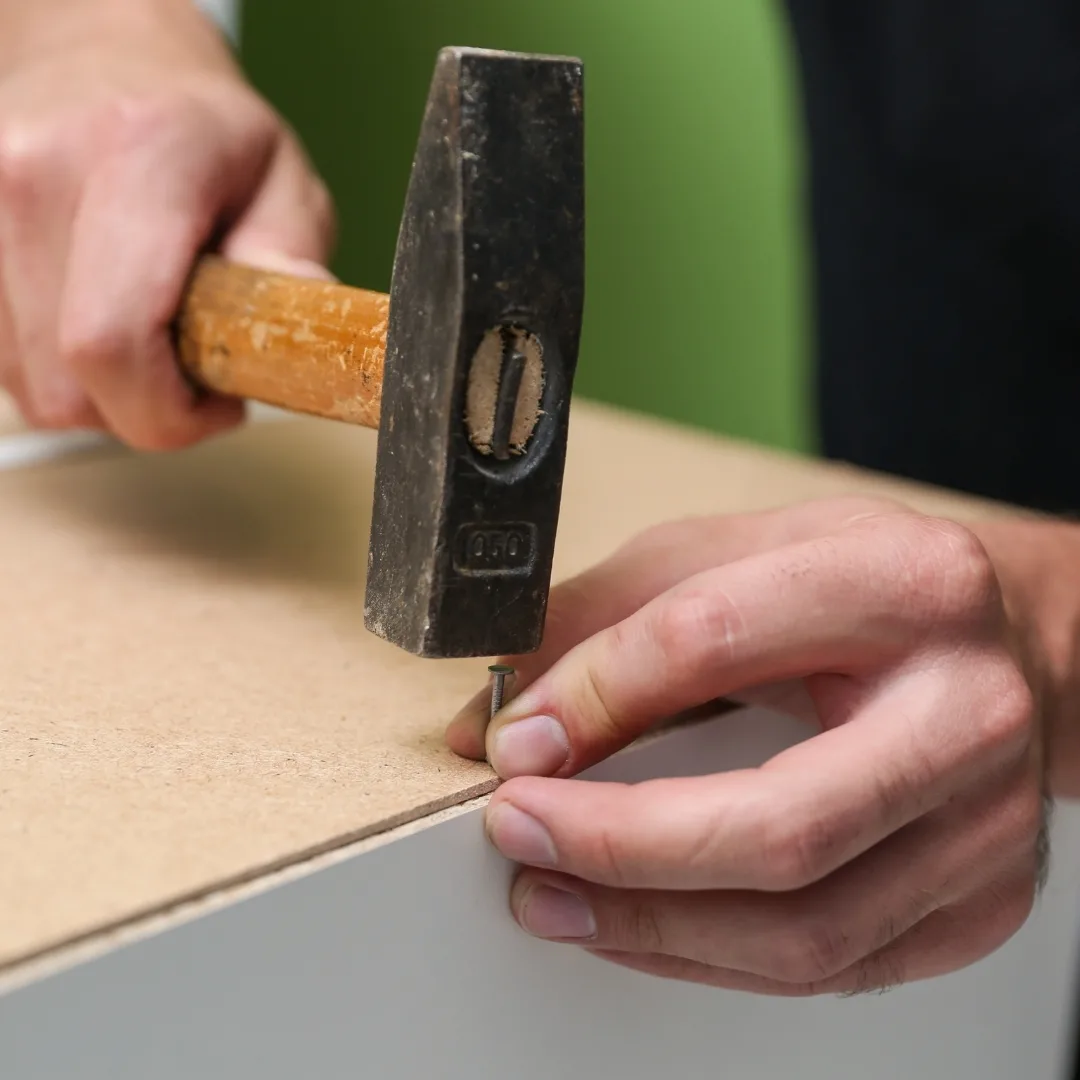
(87, 347)
(898, 787)
(810, 952)
(959, 582)
(597, 700)
(798, 851)
(1008, 722)
(608, 859)
(170, 121)
(636, 926)
(696, 623)
(677, 625)
(25, 159)
(131, 119)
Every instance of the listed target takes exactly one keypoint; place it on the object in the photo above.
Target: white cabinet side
(404, 963)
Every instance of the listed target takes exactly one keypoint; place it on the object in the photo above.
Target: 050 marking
(491, 550)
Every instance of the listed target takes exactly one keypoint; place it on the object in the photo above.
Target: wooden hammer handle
(308, 346)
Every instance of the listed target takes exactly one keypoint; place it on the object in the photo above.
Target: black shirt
(944, 144)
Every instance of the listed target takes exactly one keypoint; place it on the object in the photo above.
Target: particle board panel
(190, 698)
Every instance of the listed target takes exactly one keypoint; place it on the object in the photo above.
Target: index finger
(649, 565)
(667, 554)
(850, 603)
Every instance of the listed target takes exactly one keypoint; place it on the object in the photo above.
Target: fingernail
(519, 836)
(537, 746)
(279, 263)
(546, 912)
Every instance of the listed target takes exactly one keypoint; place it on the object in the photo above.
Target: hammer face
(485, 317)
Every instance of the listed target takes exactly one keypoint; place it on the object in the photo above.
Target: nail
(499, 674)
(546, 912)
(537, 746)
(519, 836)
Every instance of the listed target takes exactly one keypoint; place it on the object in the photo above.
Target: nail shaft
(499, 673)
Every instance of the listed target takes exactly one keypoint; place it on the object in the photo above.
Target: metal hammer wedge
(466, 368)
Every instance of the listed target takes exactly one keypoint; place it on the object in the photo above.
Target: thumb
(290, 225)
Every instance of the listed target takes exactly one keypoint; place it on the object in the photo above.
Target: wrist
(1038, 567)
(47, 28)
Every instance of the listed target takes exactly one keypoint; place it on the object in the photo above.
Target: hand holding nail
(902, 841)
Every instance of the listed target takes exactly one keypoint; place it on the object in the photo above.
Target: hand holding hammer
(466, 368)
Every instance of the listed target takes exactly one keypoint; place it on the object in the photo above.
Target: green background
(696, 298)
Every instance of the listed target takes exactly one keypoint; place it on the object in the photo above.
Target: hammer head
(485, 316)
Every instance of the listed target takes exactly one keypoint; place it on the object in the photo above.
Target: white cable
(23, 448)
(26, 448)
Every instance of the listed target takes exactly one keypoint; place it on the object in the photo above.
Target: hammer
(466, 368)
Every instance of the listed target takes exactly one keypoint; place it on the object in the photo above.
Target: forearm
(1038, 565)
